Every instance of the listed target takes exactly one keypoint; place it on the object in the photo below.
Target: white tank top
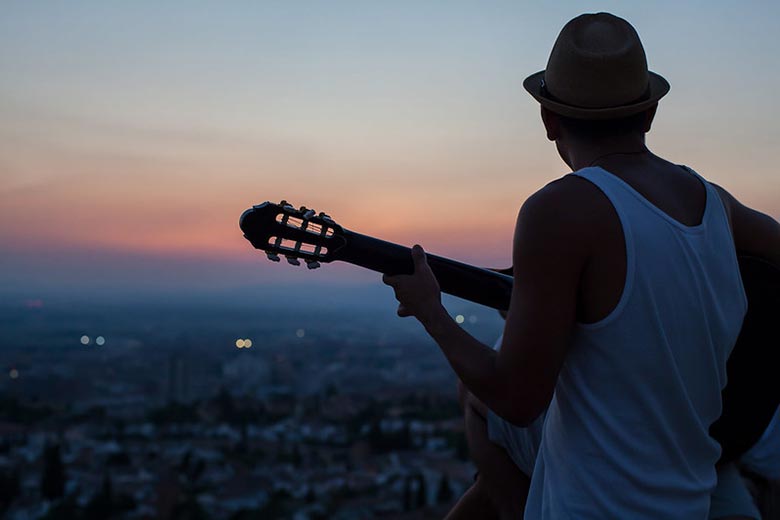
(626, 434)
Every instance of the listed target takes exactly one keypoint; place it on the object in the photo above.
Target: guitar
(303, 235)
(749, 400)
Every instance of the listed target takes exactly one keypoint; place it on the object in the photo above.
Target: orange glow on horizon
(178, 214)
(131, 157)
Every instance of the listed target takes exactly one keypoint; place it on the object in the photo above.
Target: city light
(85, 340)
(243, 343)
(100, 341)
(13, 374)
(300, 333)
(459, 318)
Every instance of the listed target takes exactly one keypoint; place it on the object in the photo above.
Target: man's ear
(649, 116)
(551, 124)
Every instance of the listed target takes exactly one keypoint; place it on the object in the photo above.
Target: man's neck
(581, 154)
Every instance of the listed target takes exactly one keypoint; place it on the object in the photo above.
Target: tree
(444, 493)
(405, 441)
(53, 478)
(407, 494)
(101, 505)
(65, 509)
(296, 458)
(189, 509)
(225, 405)
(461, 447)
(422, 492)
(10, 489)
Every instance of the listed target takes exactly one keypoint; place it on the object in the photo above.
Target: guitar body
(749, 400)
(752, 393)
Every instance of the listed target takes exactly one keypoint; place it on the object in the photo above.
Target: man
(626, 304)
(730, 500)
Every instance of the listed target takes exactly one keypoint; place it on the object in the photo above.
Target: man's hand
(418, 294)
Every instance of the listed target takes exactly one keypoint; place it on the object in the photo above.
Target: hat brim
(658, 88)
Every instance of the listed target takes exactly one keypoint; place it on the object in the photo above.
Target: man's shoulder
(569, 202)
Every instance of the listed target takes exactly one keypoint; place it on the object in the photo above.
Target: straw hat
(597, 70)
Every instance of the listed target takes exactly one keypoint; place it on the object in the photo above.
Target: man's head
(591, 130)
(596, 81)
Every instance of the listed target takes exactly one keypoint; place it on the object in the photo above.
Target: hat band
(546, 93)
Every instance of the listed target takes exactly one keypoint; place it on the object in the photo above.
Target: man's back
(641, 383)
(669, 187)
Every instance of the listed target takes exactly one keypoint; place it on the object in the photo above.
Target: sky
(133, 134)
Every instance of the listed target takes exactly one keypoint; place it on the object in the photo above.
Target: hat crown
(597, 62)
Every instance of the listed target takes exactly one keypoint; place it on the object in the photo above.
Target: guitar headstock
(281, 229)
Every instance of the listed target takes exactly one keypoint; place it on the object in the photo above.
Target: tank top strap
(623, 196)
(714, 211)
(616, 190)
(621, 199)
(626, 209)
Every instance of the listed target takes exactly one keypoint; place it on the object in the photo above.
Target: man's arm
(755, 233)
(549, 252)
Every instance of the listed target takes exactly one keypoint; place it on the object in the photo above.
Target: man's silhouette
(626, 304)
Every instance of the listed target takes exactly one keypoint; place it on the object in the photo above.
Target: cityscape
(154, 365)
(229, 411)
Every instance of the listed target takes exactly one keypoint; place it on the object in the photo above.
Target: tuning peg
(273, 257)
(324, 216)
(286, 205)
(309, 213)
(312, 264)
(292, 261)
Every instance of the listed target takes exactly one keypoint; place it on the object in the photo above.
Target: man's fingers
(418, 256)
(406, 286)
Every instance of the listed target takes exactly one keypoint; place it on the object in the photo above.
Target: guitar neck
(465, 281)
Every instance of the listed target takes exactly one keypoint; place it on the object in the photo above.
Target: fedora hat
(597, 70)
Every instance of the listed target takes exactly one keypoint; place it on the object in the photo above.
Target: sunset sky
(133, 134)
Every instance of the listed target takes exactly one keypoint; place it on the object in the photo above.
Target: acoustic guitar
(749, 400)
